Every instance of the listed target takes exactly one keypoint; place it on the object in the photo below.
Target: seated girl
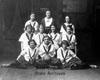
(27, 57)
(47, 53)
(64, 26)
(68, 58)
(25, 37)
(56, 38)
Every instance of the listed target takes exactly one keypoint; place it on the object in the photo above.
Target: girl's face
(69, 30)
(32, 17)
(52, 28)
(46, 40)
(29, 29)
(41, 29)
(48, 14)
(64, 46)
(67, 19)
(32, 44)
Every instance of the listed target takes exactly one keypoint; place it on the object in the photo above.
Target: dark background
(14, 14)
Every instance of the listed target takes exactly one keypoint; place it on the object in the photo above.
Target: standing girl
(47, 21)
(64, 26)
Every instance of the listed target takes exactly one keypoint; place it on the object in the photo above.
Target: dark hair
(42, 26)
(65, 43)
(29, 25)
(46, 36)
(32, 13)
(55, 28)
(32, 40)
(69, 18)
(47, 10)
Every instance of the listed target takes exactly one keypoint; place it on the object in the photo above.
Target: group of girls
(43, 47)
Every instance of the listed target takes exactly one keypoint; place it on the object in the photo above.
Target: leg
(41, 64)
(20, 63)
(56, 62)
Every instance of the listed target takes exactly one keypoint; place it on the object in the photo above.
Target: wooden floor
(40, 74)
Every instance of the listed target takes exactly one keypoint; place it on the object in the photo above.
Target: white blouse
(48, 22)
(56, 38)
(49, 48)
(33, 23)
(24, 38)
(65, 54)
(71, 38)
(39, 38)
(30, 53)
(62, 30)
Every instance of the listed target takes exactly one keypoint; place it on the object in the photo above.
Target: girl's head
(32, 43)
(46, 39)
(67, 19)
(32, 16)
(48, 14)
(41, 29)
(28, 28)
(64, 44)
(69, 29)
(53, 28)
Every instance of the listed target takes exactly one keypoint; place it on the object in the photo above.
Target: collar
(46, 45)
(64, 50)
(46, 19)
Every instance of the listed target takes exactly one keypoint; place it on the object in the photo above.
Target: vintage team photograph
(49, 40)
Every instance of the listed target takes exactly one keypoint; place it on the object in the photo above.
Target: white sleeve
(73, 28)
(41, 53)
(36, 38)
(73, 39)
(72, 54)
(27, 23)
(36, 26)
(58, 38)
(23, 52)
(22, 37)
(61, 30)
(59, 53)
(37, 53)
(53, 52)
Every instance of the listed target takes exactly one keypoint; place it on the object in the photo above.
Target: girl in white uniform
(56, 37)
(70, 38)
(67, 23)
(39, 37)
(33, 23)
(27, 57)
(68, 58)
(31, 52)
(47, 22)
(47, 54)
(25, 37)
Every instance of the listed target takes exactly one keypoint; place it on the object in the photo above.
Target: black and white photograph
(49, 40)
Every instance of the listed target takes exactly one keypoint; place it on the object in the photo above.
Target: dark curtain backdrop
(14, 14)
